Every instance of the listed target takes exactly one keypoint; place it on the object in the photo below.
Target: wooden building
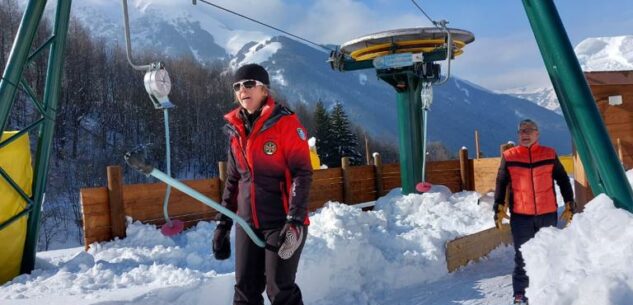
(613, 92)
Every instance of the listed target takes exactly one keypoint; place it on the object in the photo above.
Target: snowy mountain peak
(605, 53)
(255, 52)
(544, 97)
(166, 26)
(594, 54)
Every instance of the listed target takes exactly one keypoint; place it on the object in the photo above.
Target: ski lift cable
(425, 14)
(449, 41)
(266, 25)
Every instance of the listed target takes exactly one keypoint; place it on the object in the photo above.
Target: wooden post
(504, 147)
(378, 173)
(222, 175)
(115, 199)
(347, 190)
(367, 154)
(477, 151)
(464, 169)
(619, 146)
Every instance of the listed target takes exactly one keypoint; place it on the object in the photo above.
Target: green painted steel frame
(604, 171)
(12, 75)
(408, 86)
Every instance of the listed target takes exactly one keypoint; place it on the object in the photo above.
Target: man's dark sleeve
(560, 175)
(503, 179)
(231, 188)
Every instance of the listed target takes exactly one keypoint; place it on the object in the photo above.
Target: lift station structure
(406, 59)
(403, 58)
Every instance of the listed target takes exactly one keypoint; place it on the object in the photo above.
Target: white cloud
(517, 78)
(501, 63)
(320, 21)
(349, 19)
(272, 12)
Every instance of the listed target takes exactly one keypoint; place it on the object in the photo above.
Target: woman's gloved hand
(221, 242)
(290, 238)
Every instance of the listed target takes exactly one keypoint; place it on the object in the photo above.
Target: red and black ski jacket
(531, 172)
(268, 170)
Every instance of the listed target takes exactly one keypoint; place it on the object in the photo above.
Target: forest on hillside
(104, 111)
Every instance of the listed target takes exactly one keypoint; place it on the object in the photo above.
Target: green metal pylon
(604, 171)
(410, 126)
(11, 77)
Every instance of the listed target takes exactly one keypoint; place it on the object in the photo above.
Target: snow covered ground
(392, 255)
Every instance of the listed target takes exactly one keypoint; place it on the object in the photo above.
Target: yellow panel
(568, 164)
(15, 159)
(314, 158)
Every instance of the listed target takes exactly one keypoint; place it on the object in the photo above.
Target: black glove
(221, 243)
(290, 238)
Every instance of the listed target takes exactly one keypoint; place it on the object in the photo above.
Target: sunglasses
(526, 130)
(247, 84)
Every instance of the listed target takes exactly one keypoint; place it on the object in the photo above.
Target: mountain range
(299, 73)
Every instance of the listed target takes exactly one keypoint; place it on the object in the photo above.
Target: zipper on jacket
(284, 196)
(252, 172)
(532, 180)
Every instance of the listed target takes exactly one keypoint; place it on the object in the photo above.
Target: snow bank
(391, 255)
(355, 255)
(350, 257)
(589, 262)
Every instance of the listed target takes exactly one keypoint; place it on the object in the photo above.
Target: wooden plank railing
(104, 209)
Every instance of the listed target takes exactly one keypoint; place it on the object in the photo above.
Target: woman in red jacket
(268, 180)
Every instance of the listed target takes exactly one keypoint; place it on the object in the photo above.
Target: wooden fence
(105, 208)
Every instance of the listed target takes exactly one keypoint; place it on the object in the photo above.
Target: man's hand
(500, 214)
(568, 213)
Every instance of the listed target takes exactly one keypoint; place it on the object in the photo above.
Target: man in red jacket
(268, 180)
(530, 169)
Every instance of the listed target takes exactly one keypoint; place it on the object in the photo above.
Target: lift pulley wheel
(412, 40)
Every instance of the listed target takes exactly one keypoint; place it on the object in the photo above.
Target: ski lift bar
(135, 161)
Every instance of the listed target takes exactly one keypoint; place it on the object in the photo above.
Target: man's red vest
(531, 172)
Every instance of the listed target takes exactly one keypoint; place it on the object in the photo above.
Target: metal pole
(410, 128)
(590, 168)
(18, 57)
(578, 105)
(51, 98)
(128, 47)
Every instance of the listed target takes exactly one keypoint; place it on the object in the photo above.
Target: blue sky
(503, 56)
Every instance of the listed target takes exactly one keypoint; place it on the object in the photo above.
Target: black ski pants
(524, 227)
(257, 269)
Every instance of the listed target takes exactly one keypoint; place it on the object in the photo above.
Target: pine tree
(436, 151)
(323, 134)
(344, 141)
